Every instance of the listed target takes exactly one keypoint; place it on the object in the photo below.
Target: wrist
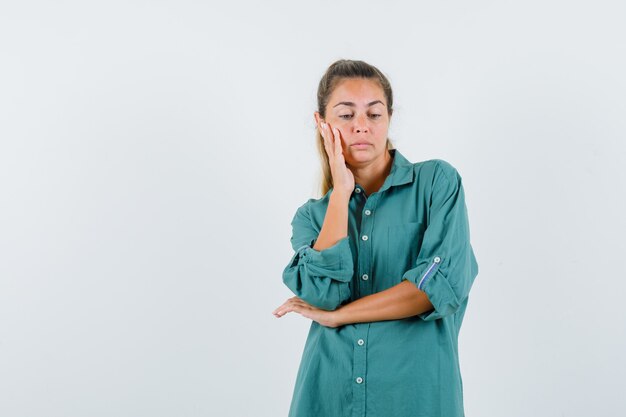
(339, 195)
(338, 317)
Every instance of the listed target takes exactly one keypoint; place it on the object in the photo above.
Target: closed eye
(347, 116)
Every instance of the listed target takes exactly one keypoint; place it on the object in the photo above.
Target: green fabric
(417, 229)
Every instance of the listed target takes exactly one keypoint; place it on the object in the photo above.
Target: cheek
(338, 122)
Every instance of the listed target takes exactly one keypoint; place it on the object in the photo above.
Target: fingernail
(323, 125)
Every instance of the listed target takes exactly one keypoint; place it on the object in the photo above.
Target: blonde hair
(339, 71)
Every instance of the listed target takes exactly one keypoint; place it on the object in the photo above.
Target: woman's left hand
(324, 317)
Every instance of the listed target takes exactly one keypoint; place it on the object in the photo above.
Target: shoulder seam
(439, 163)
(445, 175)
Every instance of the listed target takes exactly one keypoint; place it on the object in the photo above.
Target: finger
(326, 134)
(281, 313)
(282, 309)
(293, 304)
(338, 150)
(331, 134)
(321, 127)
(287, 309)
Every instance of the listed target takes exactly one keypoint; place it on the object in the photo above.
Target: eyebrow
(351, 104)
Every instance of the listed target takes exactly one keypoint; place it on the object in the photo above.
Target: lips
(361, 143)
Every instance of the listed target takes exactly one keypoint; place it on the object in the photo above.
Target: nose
(360, 124)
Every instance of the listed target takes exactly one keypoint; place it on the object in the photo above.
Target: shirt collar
(401, 171)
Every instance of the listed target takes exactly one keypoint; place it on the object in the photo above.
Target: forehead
(361, 91)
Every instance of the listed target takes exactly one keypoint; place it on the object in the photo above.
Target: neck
(371, 176)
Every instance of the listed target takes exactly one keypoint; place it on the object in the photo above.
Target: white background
(153, 154)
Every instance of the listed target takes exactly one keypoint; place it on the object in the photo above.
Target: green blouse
(414, 228)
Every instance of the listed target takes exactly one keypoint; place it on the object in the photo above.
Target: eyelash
(349, 115)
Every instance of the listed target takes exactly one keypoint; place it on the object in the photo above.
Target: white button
(367, 212)
(364, 237)
(437, 259)
(359, 380)
(365, 277)
(358, 190)
(360, 342)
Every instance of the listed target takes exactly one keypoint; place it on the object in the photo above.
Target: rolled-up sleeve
(321, 278)
(446, 266)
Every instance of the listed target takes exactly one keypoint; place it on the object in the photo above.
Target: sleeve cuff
(335, 260)
(439, 292)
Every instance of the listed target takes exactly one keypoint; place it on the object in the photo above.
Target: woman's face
(357, 107)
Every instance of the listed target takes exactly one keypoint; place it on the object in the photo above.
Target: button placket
(365, 248)
(365, 254)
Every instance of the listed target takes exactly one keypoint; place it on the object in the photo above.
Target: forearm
(335, 226)
(400, 301)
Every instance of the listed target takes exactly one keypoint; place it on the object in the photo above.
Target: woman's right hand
(343, 178)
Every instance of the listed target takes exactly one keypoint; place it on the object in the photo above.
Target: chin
(357, 156)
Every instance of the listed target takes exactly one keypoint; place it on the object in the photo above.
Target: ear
(318, 118)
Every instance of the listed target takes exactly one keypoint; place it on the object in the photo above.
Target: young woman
(383, 265)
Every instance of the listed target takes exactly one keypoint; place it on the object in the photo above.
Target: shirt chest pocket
(403, 242)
